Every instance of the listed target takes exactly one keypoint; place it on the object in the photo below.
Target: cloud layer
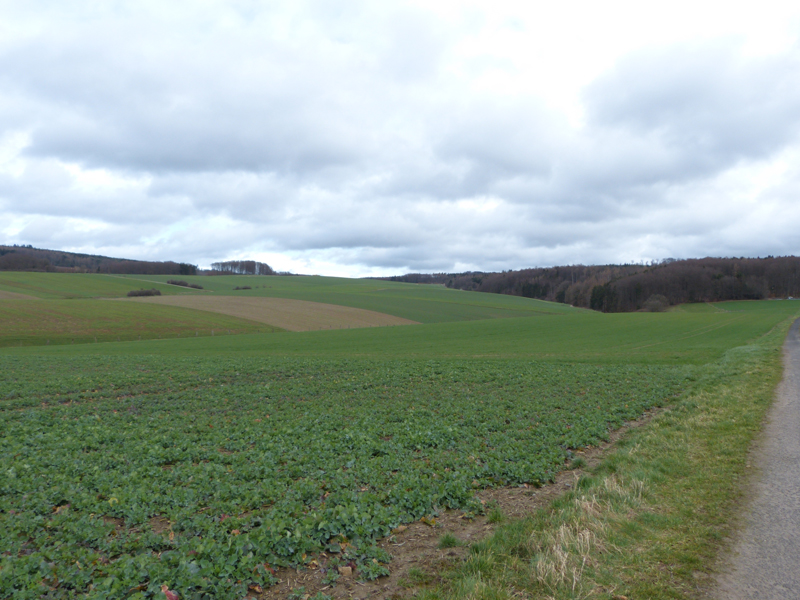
(389, 137)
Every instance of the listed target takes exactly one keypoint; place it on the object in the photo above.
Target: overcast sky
(362, 138)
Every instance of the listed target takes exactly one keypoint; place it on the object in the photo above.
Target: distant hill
(28, 258)
(625, 288)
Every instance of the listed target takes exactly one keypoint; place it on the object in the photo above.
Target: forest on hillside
(28, 258)
(625, 288)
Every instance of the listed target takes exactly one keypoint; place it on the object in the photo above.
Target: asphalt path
(765, 560)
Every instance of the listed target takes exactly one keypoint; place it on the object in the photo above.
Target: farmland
(421, 303)
(73, 308)
(43, 322)
(294, 456)
(207, 463)
(286, 313)
(78, 285)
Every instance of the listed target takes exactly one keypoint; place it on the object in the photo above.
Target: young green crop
(54, 322)
(646, 338)
(422, 303)
(80, 285)
(123, 474)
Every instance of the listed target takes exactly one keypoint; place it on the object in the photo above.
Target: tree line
(28, 258)
(625, 288)
(242, 267)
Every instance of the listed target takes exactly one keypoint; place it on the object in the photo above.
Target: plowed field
(293, 315)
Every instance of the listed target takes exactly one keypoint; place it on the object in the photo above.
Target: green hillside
(417, 302)
(666, 338)
(79, 285)
(54, 322)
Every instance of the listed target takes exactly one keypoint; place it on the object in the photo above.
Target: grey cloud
(164, 109)
(333, 130)
(500, 139)
(707, 105)
(46, 188)
(56, 230)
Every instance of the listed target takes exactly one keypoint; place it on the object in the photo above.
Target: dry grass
(563, 555)
(293, 315)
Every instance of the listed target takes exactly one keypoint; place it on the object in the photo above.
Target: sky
(379, 138)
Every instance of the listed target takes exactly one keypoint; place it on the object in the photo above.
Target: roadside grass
(650, 520)
(43, 322)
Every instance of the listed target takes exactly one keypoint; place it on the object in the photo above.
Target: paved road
(765, 562)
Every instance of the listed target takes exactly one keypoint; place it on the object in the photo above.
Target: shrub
(656, 303)
(153, 292)
(184, 284)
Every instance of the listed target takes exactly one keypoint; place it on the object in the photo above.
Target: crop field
(15, 296)
(79, 285)
(639, 338)
(285, 313)
(204, 464)
(421, 303)
(282, 303)
(43, 322)
(207, 473)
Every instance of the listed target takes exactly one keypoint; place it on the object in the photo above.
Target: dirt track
(765, 562)
(293, 315)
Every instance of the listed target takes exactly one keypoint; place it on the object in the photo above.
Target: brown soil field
(292, 315)
(15, 296)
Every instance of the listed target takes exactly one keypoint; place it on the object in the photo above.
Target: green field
(80, 285)
(423, 303)
(71, 307)
(649, 338)
(202, 463)
(43, 322)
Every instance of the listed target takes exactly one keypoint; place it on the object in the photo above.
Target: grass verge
(650, 520)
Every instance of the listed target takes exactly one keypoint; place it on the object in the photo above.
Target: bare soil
(292, 315)
(417, 545)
